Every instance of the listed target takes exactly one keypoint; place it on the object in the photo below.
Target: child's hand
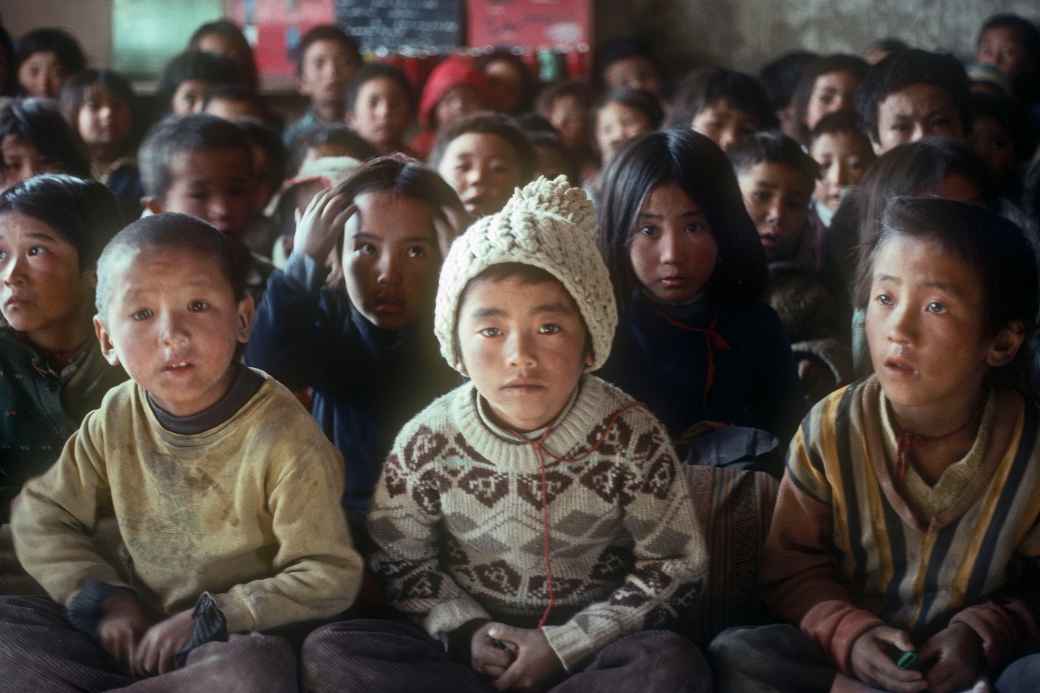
(159, 646)
(121, 627)
(322, 224)
(488, 655)
(872, 664)
(953, 659)
(534, 662)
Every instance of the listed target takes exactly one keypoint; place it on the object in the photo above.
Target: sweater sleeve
(776, 398)
(670, 557)
(55, 516)
(801, 578)
(317, 571)
(404, 522)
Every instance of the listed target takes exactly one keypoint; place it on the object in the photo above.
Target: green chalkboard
(147, 33)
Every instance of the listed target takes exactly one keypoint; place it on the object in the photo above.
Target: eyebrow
(953, 289)
(368, 236)
(655, 215)
(556, 308)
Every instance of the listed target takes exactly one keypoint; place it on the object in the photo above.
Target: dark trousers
(40, 652)
(391, 656)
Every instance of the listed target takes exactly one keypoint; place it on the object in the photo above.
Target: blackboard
(397, 25)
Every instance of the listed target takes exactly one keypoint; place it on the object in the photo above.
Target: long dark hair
(701, 169)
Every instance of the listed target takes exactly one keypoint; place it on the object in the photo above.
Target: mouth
(388, 306)
(523, 386)
(177, 367)
(17, 302)
(899, 366)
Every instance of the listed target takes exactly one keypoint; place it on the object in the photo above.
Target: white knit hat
(547, 224)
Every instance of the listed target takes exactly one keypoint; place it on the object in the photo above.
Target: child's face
(994, 145)
(724, 124)
(190, 97)
(635, 72)
(483, 170)
(325, 70)
(43, 291)
(919, 110)
(1002, 47)
(569, 117)
(924, 327)
(233, 109)
(672, 248)
(523, 344)
(42, 74)
(505, 84)
(215, 185)
(103, 118)
(390, 259)
(381, 113)
(174, 324)
(21, 161)
(832, 92)
(617, 124)
(843, 158)
(777, 200)
(457, 103)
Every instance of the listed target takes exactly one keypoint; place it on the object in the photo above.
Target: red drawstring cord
(905, 442)
(541, 451)
(712, 341)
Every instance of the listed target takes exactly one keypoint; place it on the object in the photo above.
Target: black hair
(528, 82)
(487, 123)
(1025, 85)
(268, 139)
(215, 70)
(9, 79)
(839, 62)
(697, 165)
(356, 146)
(991, 245)
(229, 31)
(575, 89)
(324, 32)
(240, 92)
(51, 40)
(839, 122)
(903, 69)
(75, 90)
(83, 212)
(637, 99)
(1010, 114)
(807, 308)
(374, 71)
(173, 230)
(781, 76)
(178, 134)
(889, 45)
(618, 49)
(704, 87)
(773, 147)
(37, 122)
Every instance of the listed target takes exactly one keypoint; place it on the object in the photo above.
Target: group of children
(505, 377)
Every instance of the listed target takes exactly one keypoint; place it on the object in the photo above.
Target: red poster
(562, 24)
(274, 27)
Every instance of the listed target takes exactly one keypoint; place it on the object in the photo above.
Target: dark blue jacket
(367, 382)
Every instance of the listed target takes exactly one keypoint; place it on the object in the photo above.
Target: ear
(108, 349)
(153, 204)
(590, 358)
(246, 311)
(1005, 345)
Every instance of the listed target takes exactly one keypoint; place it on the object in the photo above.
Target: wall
(88, 20)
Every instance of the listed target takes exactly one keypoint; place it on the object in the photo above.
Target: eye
(696, 226)
(648, 230)
(141, 315)
(198, 306)
(884, 299)
(37, 250)
(490, 332)
(365, 248)
(3, 254)
(936, 307)
(759, 196)
(416, 251)
(549, 328)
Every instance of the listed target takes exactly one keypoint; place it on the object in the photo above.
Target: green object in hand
(907, 660)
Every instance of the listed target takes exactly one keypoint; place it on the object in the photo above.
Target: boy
(535, 522)
(913, 94)
(380, 106)
(1011, 44)
(723, 105)
(327, 58)
(906, 535)
(843, 154)
(225, 492)
(776, 180)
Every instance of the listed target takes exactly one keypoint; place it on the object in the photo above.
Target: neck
(61, 338)
(939, 419)
(330, 111)
(103, 154)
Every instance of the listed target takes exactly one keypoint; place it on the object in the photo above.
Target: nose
(671, 247)
(727, 138)
(218, 208)
(388, 268)
(902, 324)
(920, 131)
(172, 330)
(774, 210)
(12, 270)
(520, 350)
(840, 103)
(105, 114)
(840, 173)
(476, 174)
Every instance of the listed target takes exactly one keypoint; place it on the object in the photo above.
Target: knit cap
(546, 224)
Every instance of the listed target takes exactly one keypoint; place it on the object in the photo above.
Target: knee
(677, 665)
(733, 644)
(263, 663)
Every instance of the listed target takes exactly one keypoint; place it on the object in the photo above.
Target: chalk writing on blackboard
(399, 25)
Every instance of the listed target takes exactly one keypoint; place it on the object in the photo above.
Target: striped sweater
(852, 545)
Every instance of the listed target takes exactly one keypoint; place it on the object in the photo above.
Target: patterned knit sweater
(462, 515)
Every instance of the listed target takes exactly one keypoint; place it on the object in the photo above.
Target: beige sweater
(248, 511)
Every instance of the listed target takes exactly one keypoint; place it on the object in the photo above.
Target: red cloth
(454, 71)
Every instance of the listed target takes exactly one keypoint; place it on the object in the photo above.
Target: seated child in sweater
(907, 519)
(225, 492)
(724, 105)
(534, 523)
(365, 345)
(52, 230)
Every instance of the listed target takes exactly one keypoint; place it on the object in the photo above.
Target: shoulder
(620, 417)
(439, 417)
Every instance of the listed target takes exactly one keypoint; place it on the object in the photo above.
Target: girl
(365, 347)
(34, 138)
(623, 115)
(100, 106)
(45, 59)
(695, 342)
(827, 86)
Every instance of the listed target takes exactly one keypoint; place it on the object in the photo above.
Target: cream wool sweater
(458, 518)
(248, 511)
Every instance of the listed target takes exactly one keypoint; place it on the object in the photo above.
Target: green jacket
(40, 408)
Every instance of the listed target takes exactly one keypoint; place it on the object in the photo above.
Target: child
(52, 229)
(328, 140)
(223, 37)
(1000, 135)
(628, 63)
(882, 48)
(484, 157)
(364, 346)
(827, 86)
(696, 343)
(913, 94)
(99, 105)
(843, 154)
(187, 79)
(534, 523)
(511, 85)
(237, 103)
(454, 90)
(567, 106)
(327, 58)
(621, 116)
(380, 107)
(552, 157)
(225, 492)
(780, 79)
(776, 179)
(908, 509)
(726, 106)
(35, 139)
(1012, 44)
(45, 58)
